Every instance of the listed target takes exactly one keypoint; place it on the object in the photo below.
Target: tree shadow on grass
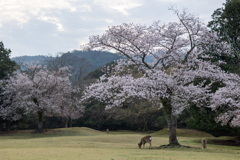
(225, 142)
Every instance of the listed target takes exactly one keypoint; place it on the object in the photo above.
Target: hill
(31, 59)
(96, 59)
(80, 61)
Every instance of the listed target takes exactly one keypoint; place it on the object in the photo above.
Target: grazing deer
(146, 139)
(204, 143)
(107, 131)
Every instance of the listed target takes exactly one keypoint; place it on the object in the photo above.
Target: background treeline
(138, 115)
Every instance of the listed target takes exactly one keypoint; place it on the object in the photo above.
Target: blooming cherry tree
(168, 55)
(226, 100)
(69, 106)
(39, 91)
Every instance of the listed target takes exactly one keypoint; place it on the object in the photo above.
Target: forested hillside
(90, 60)
(30, 59)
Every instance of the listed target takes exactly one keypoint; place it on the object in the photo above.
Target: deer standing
(146, 139)
(204, 143)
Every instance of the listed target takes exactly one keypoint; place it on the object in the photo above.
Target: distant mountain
(96, 59)
(31, 59)
(82, 62)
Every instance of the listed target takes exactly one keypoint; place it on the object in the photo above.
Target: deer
(146, 139)
(204, 143)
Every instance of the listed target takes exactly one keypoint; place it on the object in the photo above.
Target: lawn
(88, 144)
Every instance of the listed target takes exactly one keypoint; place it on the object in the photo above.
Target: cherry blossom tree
(171, 59)
(40, 91)
(226, 101)
(69, 106)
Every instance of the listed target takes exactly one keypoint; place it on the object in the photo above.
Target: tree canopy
(7, 66)
(226, 22)
(40, 91)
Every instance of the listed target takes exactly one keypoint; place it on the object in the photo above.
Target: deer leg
(150, 145)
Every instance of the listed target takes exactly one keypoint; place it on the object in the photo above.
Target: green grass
(88, 144)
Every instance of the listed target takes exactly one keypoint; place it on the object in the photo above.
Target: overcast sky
(47, 27)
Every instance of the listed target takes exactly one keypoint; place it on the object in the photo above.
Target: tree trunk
(66, 122)
(70, 122)
(8, 125)
(40, 122)
(1, 126)
(172, 126)
(139, 127)
(145, 127)
(172, 122)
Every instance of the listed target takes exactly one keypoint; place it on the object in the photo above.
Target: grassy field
(88, 144)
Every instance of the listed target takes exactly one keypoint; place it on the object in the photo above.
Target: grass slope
(88, 144)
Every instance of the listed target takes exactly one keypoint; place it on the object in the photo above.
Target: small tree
(168, 55)
(78, 67)
(69, 106)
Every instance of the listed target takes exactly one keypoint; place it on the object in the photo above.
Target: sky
(50, 27)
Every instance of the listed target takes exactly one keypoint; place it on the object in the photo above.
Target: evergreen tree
(7, 66)
(226, 22)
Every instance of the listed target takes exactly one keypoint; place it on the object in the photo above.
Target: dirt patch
(224, 142)
(172, 146)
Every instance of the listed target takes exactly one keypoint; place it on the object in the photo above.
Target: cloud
(84, 8)
(32, 27)
(121, 6)
(21, 11)
(170, 1)
(108, 20)
(52, 20)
